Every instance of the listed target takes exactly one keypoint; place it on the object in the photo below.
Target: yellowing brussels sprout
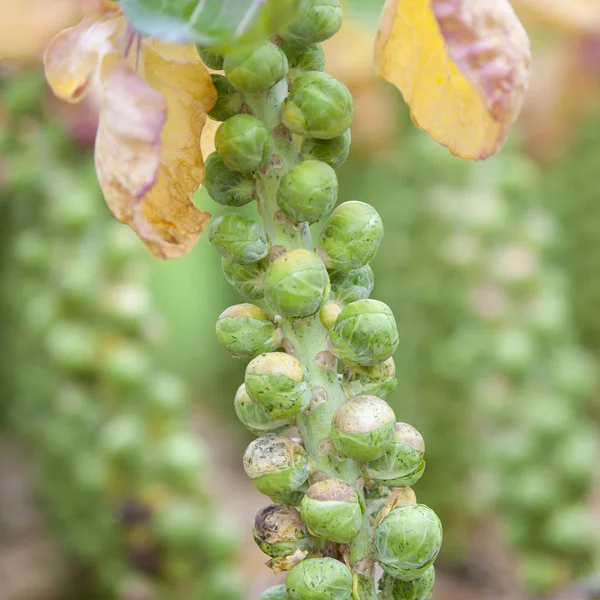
(225, 186)
(254, 416)
(318, 21)
(420, 588)
(297, 284)
(331, 510)
(319, 579)
(379, 380)
(246, 279)
(229, 100)
(276, 464)
(279, 383)
(362, 428)
(213, 60)
(279, 531)
(303, 58)
(351, 236)
(256, 68)
(407, 541)
(350, 286)
(239, 239)
(277, 592)
(318, 106)
(334, 152)
(402, 463)
(244, 143)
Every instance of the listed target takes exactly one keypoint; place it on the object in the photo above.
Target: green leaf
(218, 24)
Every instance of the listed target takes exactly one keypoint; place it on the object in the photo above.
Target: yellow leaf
(463, 66)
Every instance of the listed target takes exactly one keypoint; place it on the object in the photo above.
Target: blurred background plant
(491, 270)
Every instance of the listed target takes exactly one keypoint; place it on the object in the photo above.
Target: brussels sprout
(334, 152)
(297, 284)
(420, 588)
(319, 579)
(122, 440)
(239, 239)
(351, 236)
(277, 592)
(276, 464)
(318, 106)
(246, 331)
(179, 459)
(244, 143)
(407, 541)
(308, 192)
(126, 364)
(254, 416)
(73, 346)
(534, 490)
(571, 530)
(350, 286)
(211, 59)
(362, 428)
(379, 380)
(256, 68)
(364, 333)
(225, 186)
(329, 313)
(229, 100)
(320, 20)
(279, 383)
(575, 456)
(331, 510)
(165, 396)
(303, 58)
(279, 531)
(179, 523)
(246, 279)
(402, 464)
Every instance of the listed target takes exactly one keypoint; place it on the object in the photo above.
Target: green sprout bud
(303, 58)
(276, 464)
(308, 192)
(318, 106)
(350, 286)
(254, 416)
(364, 333)
(244, 143)
(334, 152)
(402, 464)
(246, 279)
(351, 236)
(407, 541)
(319, 579)
(280, 532)
(225, 186)
(376, 497)
(297, 284)
(362, 428)
(239, 239)
(329, 313)
(256, 68)
(331, 510)
(246, 331)
(229, 100)
(420, 588)
(320, 20)
(279, 383)
(211, 59)
(277, 592)
(379, 380)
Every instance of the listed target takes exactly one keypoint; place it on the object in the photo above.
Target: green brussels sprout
(574, 456)
(571, 530)
(402, 464)
(229, 100)
(362, 428)
(297, 284)
(220, 582)
(320, 20)
(276, 464)
(514, 350)
(350, 286)
(122, 440)
(127, 364)
(536, 490)
(334, 152)
(280, 532)
(246, 331)
(164, 396)
(379, 380)
(225, 186)
(239, 239)
(256, 68)
(332, 511)
(254, 416)
(213, 60)
(277, 592)
(420, 588)
(350, 237)
(407, 541)
(308, 192)
(244, 143)
(318, 106)
(73, 346)
(319, 579)
(303, 58)
(364, 333)
(219, 539)
(179, 523)
(179, 459)
(246, 279)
